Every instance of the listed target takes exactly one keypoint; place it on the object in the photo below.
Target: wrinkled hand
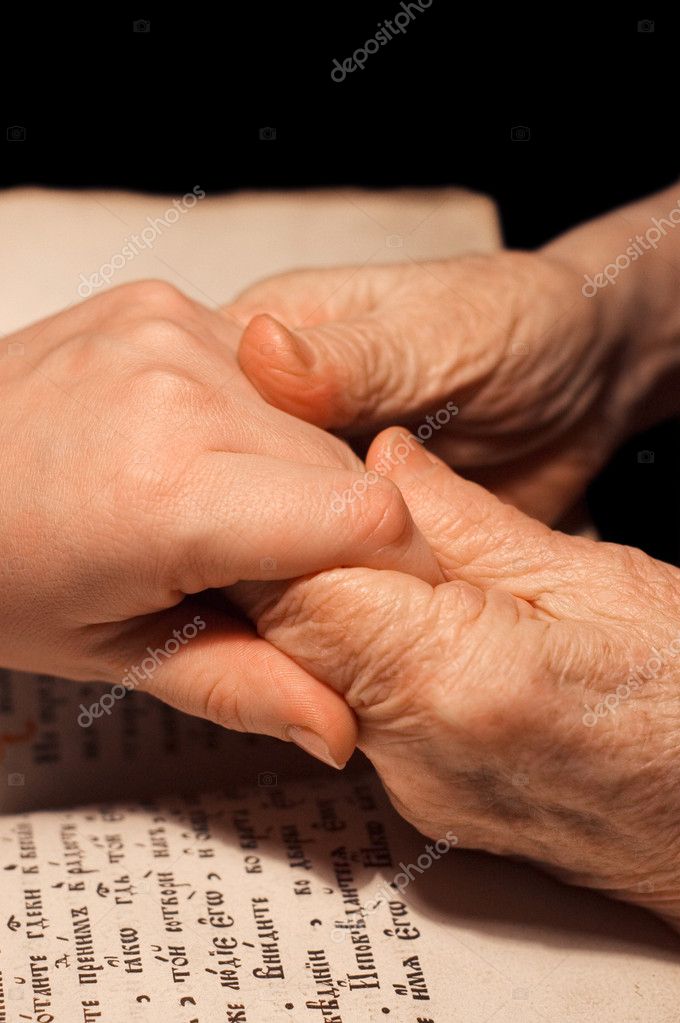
(139, 466)
(507, 339)
(529, 704)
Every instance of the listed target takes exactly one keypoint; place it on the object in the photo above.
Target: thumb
(208, 664)
(358, 373)
(361, 348)
(317, 370)
(326, 374)
(478, 538)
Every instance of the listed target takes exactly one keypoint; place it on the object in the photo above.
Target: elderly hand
(510, 366)
(139, 466)
(529, 704)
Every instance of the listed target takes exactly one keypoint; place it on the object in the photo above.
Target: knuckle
(311, 621)
(157, 390)
(222, 706)
(80, 355)
(384, 518)
(162, 334)
(306, 611)
(156, 295)
(460, 603)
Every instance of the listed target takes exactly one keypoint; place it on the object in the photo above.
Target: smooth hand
(139, 469)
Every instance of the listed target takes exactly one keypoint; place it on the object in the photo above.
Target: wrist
(626, 263)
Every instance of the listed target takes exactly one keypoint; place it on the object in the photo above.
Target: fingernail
(404, 447)
(303, 350)
(420, 457)
(296, 354)
(312, 743)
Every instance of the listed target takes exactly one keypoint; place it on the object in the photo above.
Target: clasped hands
(163, 462)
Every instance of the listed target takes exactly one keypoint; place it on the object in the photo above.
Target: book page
(292, 902)
(223, 243)
(137, 749)
(288, 892)
(274, 904)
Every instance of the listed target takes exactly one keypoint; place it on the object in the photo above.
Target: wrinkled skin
(139, 466)
(472, 696)
(508, 337)
(471, 672)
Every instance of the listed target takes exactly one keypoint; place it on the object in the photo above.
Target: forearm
(629, 265)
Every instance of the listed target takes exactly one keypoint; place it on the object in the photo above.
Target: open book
(154, 867)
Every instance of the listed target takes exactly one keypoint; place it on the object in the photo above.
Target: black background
(183, 105)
